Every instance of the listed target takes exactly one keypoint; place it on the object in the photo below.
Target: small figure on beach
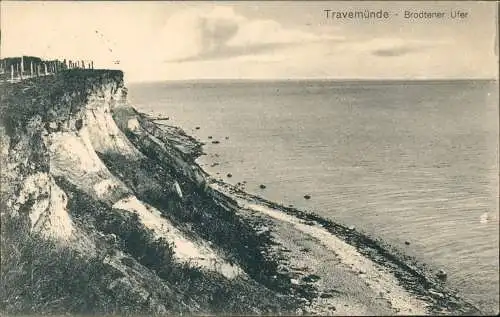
(262, 186)
(307, 196)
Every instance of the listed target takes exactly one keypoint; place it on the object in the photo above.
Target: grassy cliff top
(46, 96)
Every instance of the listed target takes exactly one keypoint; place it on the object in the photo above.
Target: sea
(413, 163)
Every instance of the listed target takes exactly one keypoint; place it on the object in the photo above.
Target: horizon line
(311, 79)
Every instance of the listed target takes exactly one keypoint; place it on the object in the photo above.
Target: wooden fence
(15, 69)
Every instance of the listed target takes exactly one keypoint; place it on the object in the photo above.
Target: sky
(156, 40)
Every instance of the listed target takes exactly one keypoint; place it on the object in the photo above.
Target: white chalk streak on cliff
(103, 131)
(48, 213)
(185, 249)
(72, 156)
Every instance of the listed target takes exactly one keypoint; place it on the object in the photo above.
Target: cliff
(72, 178)
(104, 212)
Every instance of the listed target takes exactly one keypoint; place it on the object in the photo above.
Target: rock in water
(229, 175)
(307, 196)
(442, 275)
(262, 186)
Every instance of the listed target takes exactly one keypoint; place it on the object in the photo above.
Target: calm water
(401, 161)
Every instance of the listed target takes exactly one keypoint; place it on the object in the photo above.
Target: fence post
(45, 66)
(12, 72)
(92, 64)
(31, 69)
(22, 66)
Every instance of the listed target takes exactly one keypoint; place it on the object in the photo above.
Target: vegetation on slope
(130, 271)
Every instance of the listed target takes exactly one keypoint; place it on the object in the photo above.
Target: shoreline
(92, 175)
(419, 281)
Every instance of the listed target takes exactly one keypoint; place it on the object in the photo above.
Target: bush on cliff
(148, 179)
(211, 291)
(39, 276)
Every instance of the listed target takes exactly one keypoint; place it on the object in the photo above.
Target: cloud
(395, 47)
(227, 51)
(386, 47)
(397, 51)
(222, 33)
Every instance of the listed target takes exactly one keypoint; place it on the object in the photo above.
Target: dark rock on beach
(311, 278)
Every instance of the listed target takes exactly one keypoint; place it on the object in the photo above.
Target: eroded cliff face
(85, 171)
(59, 139)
